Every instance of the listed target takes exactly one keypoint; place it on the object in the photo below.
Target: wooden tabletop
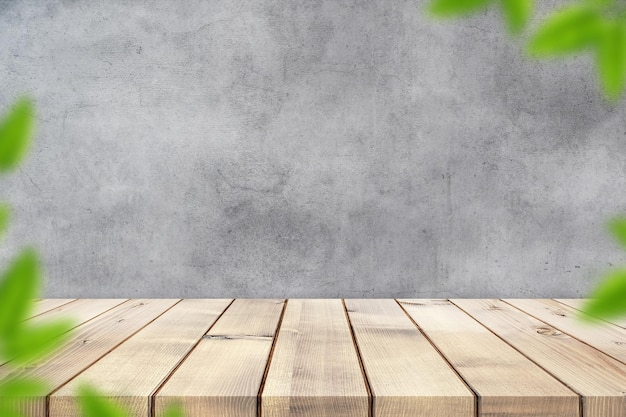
(333, 357)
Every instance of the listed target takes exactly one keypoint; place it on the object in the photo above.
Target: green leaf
(15, 134)
(14, 391)
(568, 30)
(517, 13)
(18, 287)
(608, 299)
(5, 215)
(173, 410)
(22, 387)
(35, 342)
(93, 404)
(8, 410)
(445, 8)
(611, 59)
(617, 227)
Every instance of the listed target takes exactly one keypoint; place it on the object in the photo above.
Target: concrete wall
(317, 148)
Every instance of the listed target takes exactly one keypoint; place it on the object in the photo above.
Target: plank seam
(47, 399)
(444, 357)
(580, 397)
(106, 353)
(259, 408)
(569, 334)
(152, 396)
(47, 311)
(370, 395)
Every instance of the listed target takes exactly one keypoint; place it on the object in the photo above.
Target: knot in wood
(548, 331)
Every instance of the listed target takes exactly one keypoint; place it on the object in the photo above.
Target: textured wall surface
(316, 148)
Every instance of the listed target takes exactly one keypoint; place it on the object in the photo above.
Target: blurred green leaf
(7, 411)
(18, 287)
(611, 59)
(617, 227)
(93, 404)
(22, 387)
(445, 8)
(173, 410)
(15, 134)
(34, 342)
(13, 391)
(517, 13)
(568, 30)
(608, 299)
(5, 215)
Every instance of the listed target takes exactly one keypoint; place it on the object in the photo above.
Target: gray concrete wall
(275, 148)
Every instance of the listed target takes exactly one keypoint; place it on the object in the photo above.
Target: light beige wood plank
(41, 306)
(607, 337)
(407, 376)
(314, 370)
(578, 303)
(136, 368)
(508, 384)
(88, 343)
(599, 378)
(223, 374)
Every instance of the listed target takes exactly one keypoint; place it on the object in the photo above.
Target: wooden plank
(577, 303)
(79, 311)
(223, 374)
(507, 383)
(136, 368)
(607, 337)
(406, 375)
(314, 370)
(41, 306)
(599, 378)
(88, 343)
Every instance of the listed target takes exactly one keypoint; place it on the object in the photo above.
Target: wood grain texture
(600, 379)
(41, 306)
(315, 370)
(578, 303)
(136, 368)
(407, 376)
(508, 384)
(88, 343)
(607, 337)
(223, 374)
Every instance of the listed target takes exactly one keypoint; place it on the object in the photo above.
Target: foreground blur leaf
(173, 410)
(15, 133)
(34, 342)
(18, 287)
(7, 411)
(92, 404)
(611, 59)
(568, 30)
(617, 227)
(444, 8)
(21, 387)
(517, 13)
(5, 214)
(14, 391)
(609, 298)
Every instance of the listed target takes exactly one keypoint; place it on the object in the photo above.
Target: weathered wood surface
(344, 358)
(507, 383)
